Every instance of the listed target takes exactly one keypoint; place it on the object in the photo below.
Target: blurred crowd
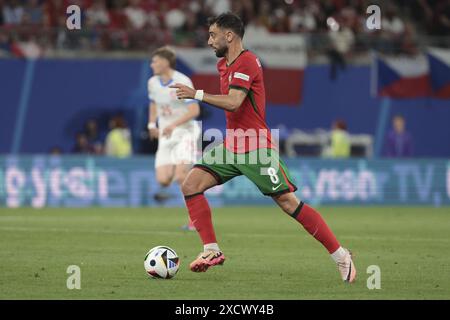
(114, 141)
(33, 27)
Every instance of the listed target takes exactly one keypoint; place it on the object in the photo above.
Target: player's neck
(166, 76)
(233, 53)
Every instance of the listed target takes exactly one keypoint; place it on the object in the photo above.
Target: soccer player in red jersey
(243, 100)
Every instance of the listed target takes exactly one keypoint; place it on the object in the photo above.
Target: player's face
(217, 40)
(159, 65)
(399, 124)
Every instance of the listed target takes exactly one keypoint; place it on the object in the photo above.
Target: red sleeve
(244, 73)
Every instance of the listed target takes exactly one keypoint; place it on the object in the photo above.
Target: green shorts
(263, 167)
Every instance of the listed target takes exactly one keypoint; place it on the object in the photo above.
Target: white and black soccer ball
(161, 262)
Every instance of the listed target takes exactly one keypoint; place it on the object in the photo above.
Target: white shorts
(181, 148)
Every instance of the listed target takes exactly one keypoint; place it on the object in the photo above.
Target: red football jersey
(246, 128)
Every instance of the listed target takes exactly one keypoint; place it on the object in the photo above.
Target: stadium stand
(36, 28)
(336, 43)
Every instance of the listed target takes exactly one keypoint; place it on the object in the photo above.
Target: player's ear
(229, 36)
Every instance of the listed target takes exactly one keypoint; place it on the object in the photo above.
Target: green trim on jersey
(263, 167)
(251, 96)
(233, 86)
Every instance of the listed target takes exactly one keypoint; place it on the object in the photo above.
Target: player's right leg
(181, 171)
(211, 170)
(164, 176)
(164, 168)
(196, 182)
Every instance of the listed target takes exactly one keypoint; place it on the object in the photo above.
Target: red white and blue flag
(439, 64)
(401, 77)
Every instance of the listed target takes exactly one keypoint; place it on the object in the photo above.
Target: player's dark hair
(168, 54)
(398, 116)
(340, 124)
(229, 21)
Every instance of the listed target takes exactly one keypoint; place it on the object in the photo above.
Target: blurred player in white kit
(177, 132)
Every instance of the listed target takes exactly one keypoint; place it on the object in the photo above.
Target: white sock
(211, 246)
(339, 254)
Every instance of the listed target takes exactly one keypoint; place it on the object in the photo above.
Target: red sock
(313, 222)
(200, 215)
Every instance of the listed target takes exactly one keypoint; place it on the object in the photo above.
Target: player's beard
(221, 52)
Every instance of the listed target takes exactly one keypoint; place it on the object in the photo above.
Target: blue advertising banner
(79, 181)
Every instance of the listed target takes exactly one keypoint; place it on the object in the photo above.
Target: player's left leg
(273, 179)
(313, 222)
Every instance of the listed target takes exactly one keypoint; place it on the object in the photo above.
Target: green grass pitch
(269, 255)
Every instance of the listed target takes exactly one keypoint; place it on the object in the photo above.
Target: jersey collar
(165, 84)
(245, 50)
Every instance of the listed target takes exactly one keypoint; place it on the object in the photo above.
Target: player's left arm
(229, 102)
(192, 113)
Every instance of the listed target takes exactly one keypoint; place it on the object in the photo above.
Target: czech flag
(401, 77)
(439, 62)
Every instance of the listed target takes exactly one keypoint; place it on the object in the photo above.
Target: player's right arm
(239, 86)
(228, 102)
(152, 113)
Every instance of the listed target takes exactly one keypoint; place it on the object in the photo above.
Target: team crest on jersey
(229, 78)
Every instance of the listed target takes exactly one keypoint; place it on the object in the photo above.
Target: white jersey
(169, 107)
(183, 144)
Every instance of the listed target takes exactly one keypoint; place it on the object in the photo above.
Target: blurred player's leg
(165, 170)
(196, 182)
(164, 176)
(313, 222)
(181, 172)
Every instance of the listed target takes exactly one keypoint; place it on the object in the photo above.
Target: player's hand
(153, 133)
(168, 130)
(183, 92)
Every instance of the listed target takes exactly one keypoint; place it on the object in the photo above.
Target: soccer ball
(161, 262)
